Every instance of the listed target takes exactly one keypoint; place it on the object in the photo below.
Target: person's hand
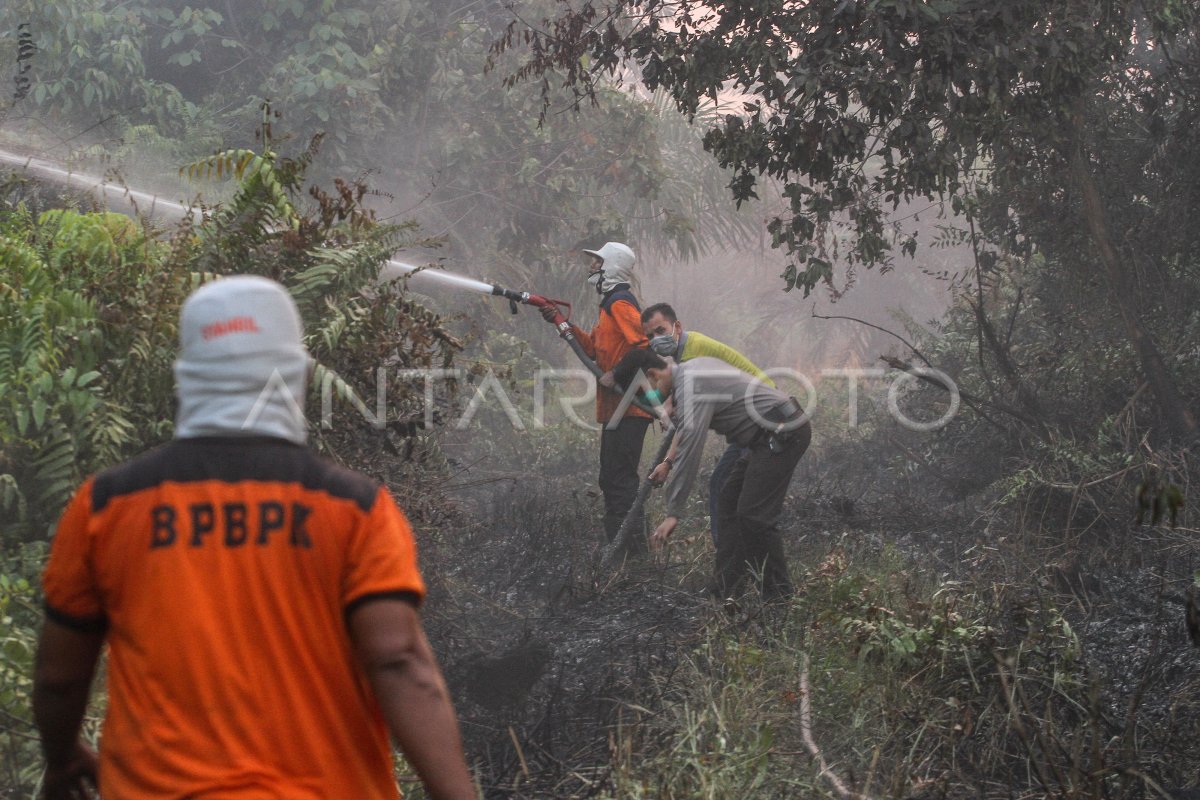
(663, 532)
(607, 380)
(664, 417)
(74, 780)
(658, 476)
(548, 312)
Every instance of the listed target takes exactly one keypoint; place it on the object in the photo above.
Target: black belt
(778, 417)
(776, 427)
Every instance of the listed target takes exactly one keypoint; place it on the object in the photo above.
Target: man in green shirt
(668, 339)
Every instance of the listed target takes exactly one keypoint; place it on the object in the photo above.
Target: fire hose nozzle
(562, 325)
(513, 297)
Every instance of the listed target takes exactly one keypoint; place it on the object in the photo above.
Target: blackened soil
(547, 653)
(544, 650)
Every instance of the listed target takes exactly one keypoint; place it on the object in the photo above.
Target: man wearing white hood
(260, 603)
(617, 331)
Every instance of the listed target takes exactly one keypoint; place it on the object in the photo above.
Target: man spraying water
(618, 330)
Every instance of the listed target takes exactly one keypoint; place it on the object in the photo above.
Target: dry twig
(810, 744)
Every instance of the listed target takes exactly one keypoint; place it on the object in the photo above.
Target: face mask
(653, 397)
(664, 345)
(596, 279)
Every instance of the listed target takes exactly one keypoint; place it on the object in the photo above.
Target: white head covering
(242, 367)
(618, 264)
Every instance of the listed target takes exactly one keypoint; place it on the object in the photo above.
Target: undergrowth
(882, 681)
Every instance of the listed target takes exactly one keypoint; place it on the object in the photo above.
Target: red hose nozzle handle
(545, 302)
(537, 301)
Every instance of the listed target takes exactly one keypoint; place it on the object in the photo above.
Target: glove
(548, 312)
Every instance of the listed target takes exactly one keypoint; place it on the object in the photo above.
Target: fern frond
(338, 270)
(256, 172)
(235, 163)
(54, 474)
(313, 282)
(332, 384)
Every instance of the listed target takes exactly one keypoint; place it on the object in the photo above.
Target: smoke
(737, 297)
(478, 174)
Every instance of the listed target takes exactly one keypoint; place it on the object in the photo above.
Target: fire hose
(619, 547)
(130, 200)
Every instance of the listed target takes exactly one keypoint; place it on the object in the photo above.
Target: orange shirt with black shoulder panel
(223, 571)
(618, 331)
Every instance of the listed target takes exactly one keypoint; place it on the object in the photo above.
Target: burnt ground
(546, 652)
(543, 648)
(1121, 587)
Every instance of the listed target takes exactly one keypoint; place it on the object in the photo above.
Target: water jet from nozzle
(131, 201)
(423, 279)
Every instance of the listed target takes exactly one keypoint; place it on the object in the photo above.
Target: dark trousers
(620, 473)
(749, 510)
(719, 474)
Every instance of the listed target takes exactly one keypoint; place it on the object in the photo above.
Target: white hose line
(127, 200)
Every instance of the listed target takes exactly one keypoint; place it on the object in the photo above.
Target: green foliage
(72, 329)
(884, 619)
(88, 59)
(259, 181)
(329, 255)
(1052, 387)
(88, 333)
(397, 87)
(19, 615)
(725, 718)
(856, 106)
(904, 684)
(146, 61)
(628, 171)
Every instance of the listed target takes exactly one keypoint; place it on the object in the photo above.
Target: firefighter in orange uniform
(618, 331)
(259, 602)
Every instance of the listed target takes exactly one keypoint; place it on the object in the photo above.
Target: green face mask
(653, 397)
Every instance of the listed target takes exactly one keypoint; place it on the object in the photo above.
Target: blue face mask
(664, 345)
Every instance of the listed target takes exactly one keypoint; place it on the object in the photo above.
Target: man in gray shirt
(709, 393)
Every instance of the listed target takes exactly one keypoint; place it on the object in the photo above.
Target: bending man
(708, 393)
(669, 339)
(259, 602)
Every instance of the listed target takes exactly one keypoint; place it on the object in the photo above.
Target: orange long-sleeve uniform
(618, 331)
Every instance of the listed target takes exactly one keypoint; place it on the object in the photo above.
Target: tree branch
(969, 399)
(894, 335)
(810, 744)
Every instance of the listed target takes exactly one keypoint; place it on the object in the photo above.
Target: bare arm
(660, 471)
(62, 678)
(658, 475)
(409, 687)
